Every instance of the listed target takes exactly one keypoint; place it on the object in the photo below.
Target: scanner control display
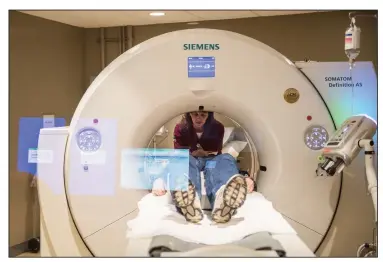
(342, 133)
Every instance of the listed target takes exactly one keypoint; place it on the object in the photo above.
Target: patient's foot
(229, 198)
(189, 204)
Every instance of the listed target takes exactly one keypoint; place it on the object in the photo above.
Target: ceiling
(96, 19)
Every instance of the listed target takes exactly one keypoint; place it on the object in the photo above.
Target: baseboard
(18, 249)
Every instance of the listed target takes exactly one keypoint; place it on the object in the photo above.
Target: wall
(316, 36)
(93, 50)
(46, 75)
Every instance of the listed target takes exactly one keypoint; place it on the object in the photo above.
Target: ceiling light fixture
(193, 23)
(157, 14)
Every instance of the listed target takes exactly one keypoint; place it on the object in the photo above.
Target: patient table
(292, 245)
(257, 230)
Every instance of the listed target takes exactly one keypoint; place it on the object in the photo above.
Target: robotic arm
(343, 147)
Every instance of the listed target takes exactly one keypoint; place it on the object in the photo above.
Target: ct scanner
(84, 208)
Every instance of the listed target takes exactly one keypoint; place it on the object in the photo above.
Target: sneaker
(189, 204)
(229, 198)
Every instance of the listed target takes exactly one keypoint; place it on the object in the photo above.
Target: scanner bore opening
(247, 159)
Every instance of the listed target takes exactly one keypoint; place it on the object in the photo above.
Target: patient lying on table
(226, 189)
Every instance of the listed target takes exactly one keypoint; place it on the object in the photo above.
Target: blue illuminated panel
(142, 166)
(200, 67)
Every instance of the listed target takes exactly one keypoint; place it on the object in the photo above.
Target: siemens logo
(201, 46)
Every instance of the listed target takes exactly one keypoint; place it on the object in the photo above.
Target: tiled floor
(28, 254)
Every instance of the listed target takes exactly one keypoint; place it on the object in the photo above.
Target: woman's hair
(187, 123)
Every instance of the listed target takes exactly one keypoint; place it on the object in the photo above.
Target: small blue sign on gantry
(200, 67)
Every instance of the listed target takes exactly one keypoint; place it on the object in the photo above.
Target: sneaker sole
(184, 200)
(234, 197)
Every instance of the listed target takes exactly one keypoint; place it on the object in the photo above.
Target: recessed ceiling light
(193, 23)
(157, 14)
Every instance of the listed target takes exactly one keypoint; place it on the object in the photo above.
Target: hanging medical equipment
(352, 42)
(352, 38)
(343, 147)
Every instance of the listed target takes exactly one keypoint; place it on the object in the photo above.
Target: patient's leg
(218, 171)
(226, 189)
(187, 200)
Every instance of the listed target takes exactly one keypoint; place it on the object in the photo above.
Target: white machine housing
(84, 208)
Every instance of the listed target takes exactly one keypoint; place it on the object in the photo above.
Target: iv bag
(352, 42)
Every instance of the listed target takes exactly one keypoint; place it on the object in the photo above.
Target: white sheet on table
(158, 216)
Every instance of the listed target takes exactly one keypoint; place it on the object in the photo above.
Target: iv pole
(368, 249)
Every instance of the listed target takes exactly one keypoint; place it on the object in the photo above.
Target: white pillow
(228, 135)
(234, 148)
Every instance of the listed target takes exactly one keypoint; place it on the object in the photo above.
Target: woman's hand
(159, 187)
(250, 184)
(199, 153)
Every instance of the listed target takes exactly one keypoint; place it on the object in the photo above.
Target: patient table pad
(157, 216)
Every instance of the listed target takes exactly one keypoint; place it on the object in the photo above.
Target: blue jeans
(217, 169)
